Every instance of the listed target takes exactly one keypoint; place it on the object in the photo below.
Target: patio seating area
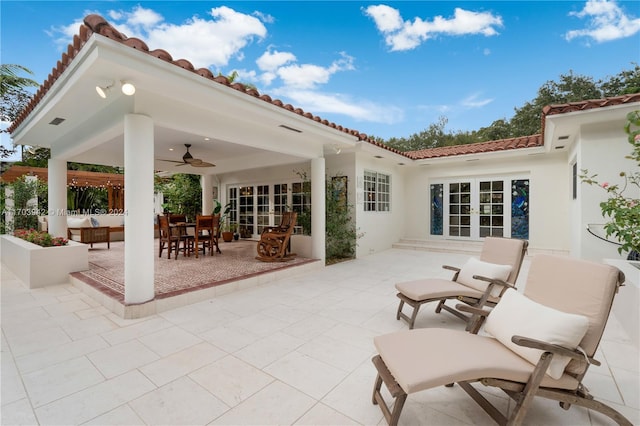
(296, 350)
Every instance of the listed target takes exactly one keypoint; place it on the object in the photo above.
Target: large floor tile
(169, 340)
(181, 402)
(123, 415)
(181, 363)
(119, 359)
(276, 404)
(57, 381)
(268, 349)
(231, 380)
(97, 400)
(313, 377)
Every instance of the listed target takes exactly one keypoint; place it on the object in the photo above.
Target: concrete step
(442, 246)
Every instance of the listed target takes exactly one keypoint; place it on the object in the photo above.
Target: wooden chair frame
(274, 241)
(483, 300)
(523, 393)
(211, 224)
(91, 235)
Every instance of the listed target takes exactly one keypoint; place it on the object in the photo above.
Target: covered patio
(148, 106)
(182, 280)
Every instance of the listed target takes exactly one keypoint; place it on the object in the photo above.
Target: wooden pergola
(112, 182)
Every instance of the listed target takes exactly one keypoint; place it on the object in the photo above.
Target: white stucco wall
(550, 195)
(381, 229)
(602, 150)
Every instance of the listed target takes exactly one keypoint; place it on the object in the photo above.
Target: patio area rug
(177, 276)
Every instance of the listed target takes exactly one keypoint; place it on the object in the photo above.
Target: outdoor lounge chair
(478, 283)
(529, 350)
(274, 241)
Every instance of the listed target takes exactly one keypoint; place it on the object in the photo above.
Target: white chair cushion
(78, 222)
(485, 269)
(515, 314)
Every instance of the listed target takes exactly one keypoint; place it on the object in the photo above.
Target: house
(111, 100)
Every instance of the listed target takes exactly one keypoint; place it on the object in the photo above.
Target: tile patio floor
(292, 351)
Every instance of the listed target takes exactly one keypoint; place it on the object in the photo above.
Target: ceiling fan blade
(170, 161)
(199, 163)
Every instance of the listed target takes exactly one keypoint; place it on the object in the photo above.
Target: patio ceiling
(224, 126)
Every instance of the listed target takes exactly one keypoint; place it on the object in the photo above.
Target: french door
(471, 209)
(255, 207)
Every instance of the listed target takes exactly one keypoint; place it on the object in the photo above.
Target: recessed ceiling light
(128, 88)
(170, 149)
(207, 139)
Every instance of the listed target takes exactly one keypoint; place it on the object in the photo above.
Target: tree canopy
(14, 96)
(527, 119)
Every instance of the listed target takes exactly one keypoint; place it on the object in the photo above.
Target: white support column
(57, 198)
(139, 247)
(206, 182)
(318, 208)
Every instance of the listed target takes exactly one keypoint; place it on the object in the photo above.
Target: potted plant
(227, 232)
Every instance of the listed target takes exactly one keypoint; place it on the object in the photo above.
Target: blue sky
(388, 69)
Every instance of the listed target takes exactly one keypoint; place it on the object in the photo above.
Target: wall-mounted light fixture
(337, 149)
(104, 89)
(128, 88)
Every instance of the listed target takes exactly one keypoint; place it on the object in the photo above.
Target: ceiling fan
(188, 160)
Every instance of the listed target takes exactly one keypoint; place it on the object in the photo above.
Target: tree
(182, 193)
(527, 119)
(14, 96)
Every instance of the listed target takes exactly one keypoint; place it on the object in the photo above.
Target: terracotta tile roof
(480, 147)
(590, 104)
(98, 25)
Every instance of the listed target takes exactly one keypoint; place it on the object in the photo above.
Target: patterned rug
(177, 276)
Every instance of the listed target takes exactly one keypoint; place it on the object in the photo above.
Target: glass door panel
(491, 208)
(246, 210)
(262, 207)
(280, 202)
(460, 209)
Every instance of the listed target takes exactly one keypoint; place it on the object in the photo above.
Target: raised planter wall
(42, 266)
(301, 245)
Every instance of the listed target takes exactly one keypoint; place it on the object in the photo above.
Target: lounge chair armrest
(549, 347)
(472, 310)
(451, 268)
(494, 281)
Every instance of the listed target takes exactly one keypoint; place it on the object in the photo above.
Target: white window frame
(377, 191)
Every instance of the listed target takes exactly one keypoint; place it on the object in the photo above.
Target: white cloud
(213, 41)
(205, 42)
(387, 19)
(407, 35)
(283, 65)
(271, 61)
(360, 110)
(606, 22)
(474, 101)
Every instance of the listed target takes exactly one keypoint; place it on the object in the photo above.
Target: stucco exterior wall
(381, 229)
(550, 195)
(602, 150)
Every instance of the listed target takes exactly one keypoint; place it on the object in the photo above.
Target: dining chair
(204, 235)
(167, 238)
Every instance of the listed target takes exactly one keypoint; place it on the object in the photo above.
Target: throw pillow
(490, 270)
(518, 315)
(78, 222)
(94, 222)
